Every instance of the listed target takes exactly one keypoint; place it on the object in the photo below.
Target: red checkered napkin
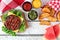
(55, 4)
(9, 4)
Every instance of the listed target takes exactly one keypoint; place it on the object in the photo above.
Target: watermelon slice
(56, 29)
(58, 38)
(50, 33)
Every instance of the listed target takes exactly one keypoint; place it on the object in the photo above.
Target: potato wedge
(52, 19)
(45, 22)
(58, 16)
(47, 10)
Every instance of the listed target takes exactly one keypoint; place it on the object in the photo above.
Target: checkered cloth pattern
(55, 4)
(9, 4)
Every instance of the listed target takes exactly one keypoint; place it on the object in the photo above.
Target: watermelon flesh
(58, 38)
(56, 30)
(52, 32)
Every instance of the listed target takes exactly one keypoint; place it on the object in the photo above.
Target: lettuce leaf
(16, 12)
(8, 31)
(19, 13)
(12, 10)
(22, 27)
(4, 16)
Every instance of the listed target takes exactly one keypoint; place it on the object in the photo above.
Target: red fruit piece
(56, 29)
(50, 33)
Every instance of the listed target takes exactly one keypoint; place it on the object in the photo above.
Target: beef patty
(12, 22)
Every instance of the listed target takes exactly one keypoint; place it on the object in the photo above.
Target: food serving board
(34, 27)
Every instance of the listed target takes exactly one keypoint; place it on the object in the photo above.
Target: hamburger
(14, 21)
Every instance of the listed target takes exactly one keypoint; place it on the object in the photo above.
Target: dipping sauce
(27, 6)
(32, 15)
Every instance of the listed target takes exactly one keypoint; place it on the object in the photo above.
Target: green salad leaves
(4, 16)
(16, 12)
(22, 27)
(8, 31)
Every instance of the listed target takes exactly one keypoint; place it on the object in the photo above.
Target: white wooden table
(34, 27)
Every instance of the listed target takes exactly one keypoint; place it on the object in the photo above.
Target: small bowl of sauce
(27, 6)
(32, 15)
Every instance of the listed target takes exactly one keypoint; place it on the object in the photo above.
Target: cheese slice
(16, 30)
(10, 13)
